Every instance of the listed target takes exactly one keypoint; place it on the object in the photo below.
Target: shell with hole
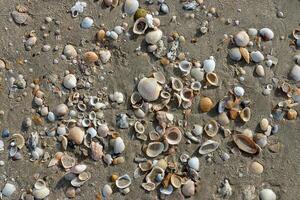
(208, 146)
(211, 128)
(176, 83)
(139, 127)
(140, 26)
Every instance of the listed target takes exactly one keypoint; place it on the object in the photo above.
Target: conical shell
(245, 144)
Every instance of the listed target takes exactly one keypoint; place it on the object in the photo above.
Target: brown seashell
(67, 161)
(291, 114)
(22, 8)
(245, 114)
(206, 104)
(256, 167)
(56, 159)
(233, 113)
(71, 193)
(245, 144)
(96, 151)
(167, 180)
(90, 57)
(76, 134)
(212, 78)
(164, 61)
(100, 36)
(115, 3)
(245, 53)
(211, 128)
(176, 181)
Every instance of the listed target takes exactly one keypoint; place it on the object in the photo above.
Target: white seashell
(264, 123)
(266, 33)
(241, 39)
(196, 86)
(78, 8)
(166, 191)
(38, 101)
(154, 36)
(235, 54)
(188, 189)
(149, 186)
(31, 41)
(123, 181)
(77, 169)
(239, 91)
(92, 132)
(177, 85)
(61, 130)
(259, 70)
(151, 48)
(19, 18)
(87, 23)
(70, 51)
(103, 130)
(267, 194)
(140, 26)
(8, 190)
(41, 193)
(185, 67)
(39, 184)
(113, 35)
(149, 20)
(149, 89)
(106, 191)
(194, 163)
(197, 130)
(104, 55)
(118, 29)
(139, 127)
(257, 56)
(131, 6)
(209, 65)
(252, 32)
(70, 81)
(295, 73)
(117, 97)
(197, 73)
(154, 149)
(173, 135)
(118, 145)
(208, 147)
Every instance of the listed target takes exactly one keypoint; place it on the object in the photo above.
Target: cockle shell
(267, 194)
(18, 139)
(245, 114)
(239, 91)
(176, 181)
(70, 81)
(295, 73)
(186, 94)
(197, 130)
(154, 36)
(39, 184)
(70, 51)
(76, 134)
(208, 147)
(145, 166)
(139, 127)
(154, 149)
(87, 23)
(104, 55)
(149, 186)
(173, 135)
(241, 39)
(211, 128)
(149, 89)
(209, 65)
(118, 145)
(140, 26)
(245, 143)
(153, 135)
(206, 104)
(123, 181)
(61, 110)
(235, 54)
(212, 78)
(90, 57)
(131, 6)
(196, 86)
(266, 33)
(19, 18)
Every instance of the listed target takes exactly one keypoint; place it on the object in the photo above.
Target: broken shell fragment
(140, 26)
(223, 119)
(173, 135)
(76, 134)
(154, 149)
(206, 104)
(208, 147)
(123, 181)
(149, 186)
(149, 89)
(212, 78)
(77, 169)
(211, 128)
(67, 161)
(245, 114)
(267, 194)
(104, 55)
(235, 54)
(61, 110)
(245, 143)
(145, 166)
(177, 85)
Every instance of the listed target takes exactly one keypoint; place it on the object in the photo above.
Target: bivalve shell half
(70, 51)
(257, 56)
(41, 193)
(61, 110)
(154, 149)
(139, 127)
(90, 57)
(77, 169)
(211, 128)
(261, 140)
(118, 145)
(123, 181)
(241, 39)
(223, 119)
(206, 104)
(245, 143)
(70, 81)
(131, 6)
(264, 123)
(212, 78)
(140, 26)
(149, 186)
(185, 67)
(154, 36)
(197, 73)
(87, 23)
(188, 189)
(149, 89)
(8, 189)
(176, 181)
(177, 85)
(266, 33)
(194, 163)
(208, 147)
(256, 167)
(260, 71)
(267, 194)
(209, 65)
(67, 161)
(104, 55)
(19, 140)
(76, 134)
(173, 135)
(245, 54)
(245, 114)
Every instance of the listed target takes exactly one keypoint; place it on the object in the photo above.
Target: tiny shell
(131, 6)
(19, 140)
(145, 166)
(149, 186)
(197, 73)
(245, 144)
(257, 56)
(77, 169)
(39, 184)
(106, 191)
(235, 54)
(123, 181)
(71, 192)
(90, 57)
(67, 161)
(61, 110)
(154, 149)
(153, 135)
(291, 114)
(206, 104)
(104, 55)
(256, 168)
(186, 94)
(164, 8)
(261, 140)
(173, 135)
(209, 65)
(260, 71)
(188, 189)
(140, 26)
(197, 130)
(239, 91)
(241, 39)
(252, 32)
(19, 18)
(267, 194)
(70, 81)
(118, 145)
(211, 128)
(154, 36)
(295, 73)
(160, 77)
(149, 89)
(100, 35)
(76, 134)
(8, 189)
(70, 51)
(266, 33)
(208, 147)
(31, 41)
(139, 127)
(212, 78)
(185, 67)
(264, 123)
(194, 163)
(245, 54)
(87, 23)
(118, 29)
(196, 86)
(245, 114)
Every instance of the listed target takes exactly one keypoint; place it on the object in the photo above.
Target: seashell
(160, 77)
(67, 161)
(235, 54)
(184, 157)
(173, 135)
(112, 34)
(118, 145)
(256, 168)
(188, 189)
(154, 149)
(197, 73)
(64, 142)
(135, 98)
(186, 94)
(149, 186)
(177, 85)
(245, 143)
(31, 41)
(39, 184)
(8, 190)
(131, 6)
(196, 86)
(260, 71)
(149, 89)
(96, 151)
(261, 140)
(61, 110)
(123, 181)
(212, 78)
(245, 114)
(154, 36)
(241, 39)
(248, 133)
(239, 91)
(185, 67)
(81, 106)
(166, 190)
(221, 106)
(209, 65)
(56, 159)
(145, 166)
(257, 56)
(156, 21)
(165, 95)
(19, 18)
(245, 54)
(291, 114)
(87, 23)
(223, 119)
(252, 32)
(197, 130)
(84, 176)
(78, 8)
(153, 135)
(76, 182)
(162, 163)
(141, 12)
(194, 163)
(140, 26)
(77, 169)
(164, 8)
(295, 73)
(70, 51)
(208, 146)
(264, 123)
(267, 194)
(108, 3)
(100, 35)
(71, 192)
(266, 33)
(104, 55)
(106, 191)
(90, 57)
(139, 127)
(206, 104)
(70, 81)
(3, 64)
(18, 139)
(86, 122)
(76, 134)
(156, 175)
(41, 193)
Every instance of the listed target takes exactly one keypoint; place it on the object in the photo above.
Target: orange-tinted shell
(206, 104)
(90, 57)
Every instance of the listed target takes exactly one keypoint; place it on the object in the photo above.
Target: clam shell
(19, 140)
(208, 147)
(153, 135)
(257, 56)
(71, 192)
(166, 190)
(197, 73)
(245, 114)
(177, 85)
(260, 71)
(139, 127)
(185, 67)
(245, 143)
(173, 135)
(154, 149)
(197, 129)
(135, 98)
(212, 78)
(245, 54)
(196, 86)
(295, 73)
(256, 168)
(291, 114)
(90, 57)
(84, 176)
(149, 89)
(106, 191)
(235, 54)
(123, 181)
(76, 134)
(118, 145)
(41, 193)
(264, 123)
(70, 51)
(241, 39)
(70, 81)
(266, 33)
(261, 140)
(156, 175)
(149, 186)
(188, 189)
(206, 104)
(211, 128)
(186, 94)
(194, 163)
(96, 151)
(61, 110)
(267, 194)
(39, 184)
(76, 182)
(252, 32)
(223, 119)
(145, 166)
(131, 6)
(140, 26)
(87, 23)
(104, 56)
(19, 18)
(77, 169)
(160, 77)
(239, 91)
(209, 65)
(8, 189)
(154, 36)
(67, 161)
